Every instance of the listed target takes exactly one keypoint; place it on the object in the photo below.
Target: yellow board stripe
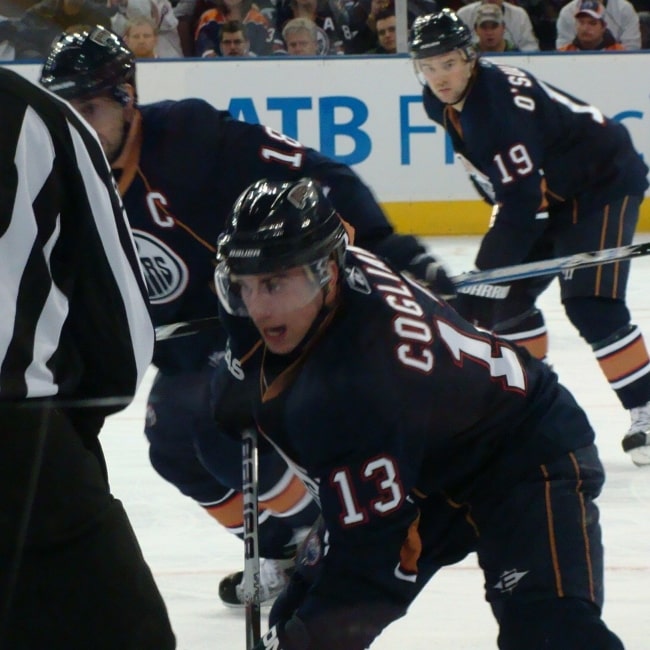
(430, 218)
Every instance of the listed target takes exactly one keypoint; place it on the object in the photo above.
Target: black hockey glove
(427, 269)
(407, 254)
(308, 566)
(351, 627)
(475, 309)
(291, 635)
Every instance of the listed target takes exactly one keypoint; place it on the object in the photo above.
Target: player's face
(109, 118)
(447, 75)
(283, 305)
(589, 31)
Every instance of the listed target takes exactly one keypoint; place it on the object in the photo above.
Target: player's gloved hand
(427, 269)
(350, 627)
(308, 567)
(475, 309)
(292, 635)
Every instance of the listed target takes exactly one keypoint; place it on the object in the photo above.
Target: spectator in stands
(518, 28)
(362, 18)
(363, 21)
(42, 23)
(490, 30)
(259, 31)
(141, 36)
(161, 13)
(7, 33)
(543, 15)
(644, 25)
(621, 18)
(386, 33)
(329, 17)
(591, 29)
(301, 38)
(186, 14)
(233, 40)
(189, 13)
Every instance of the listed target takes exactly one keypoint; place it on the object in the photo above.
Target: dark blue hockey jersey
(394, 409)
(528, 146)
(183, 166)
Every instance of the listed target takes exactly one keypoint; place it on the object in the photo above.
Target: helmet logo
(245, 252)
(357, 280)
(297, 196)
(101, 36)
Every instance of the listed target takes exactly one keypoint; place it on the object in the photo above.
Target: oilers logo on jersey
(165, 272)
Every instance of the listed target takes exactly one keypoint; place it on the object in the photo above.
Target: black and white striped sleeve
(74, 321)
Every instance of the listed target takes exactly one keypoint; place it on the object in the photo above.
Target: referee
(75, 341)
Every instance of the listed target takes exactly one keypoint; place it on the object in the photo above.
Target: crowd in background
(213, 28)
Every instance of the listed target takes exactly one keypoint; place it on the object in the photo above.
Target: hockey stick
(251, 578)
(480, 280)
(543, 267)
(185, 328)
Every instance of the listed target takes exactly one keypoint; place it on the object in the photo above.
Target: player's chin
(277, 340)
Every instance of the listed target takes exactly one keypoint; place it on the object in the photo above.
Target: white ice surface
(189, 553)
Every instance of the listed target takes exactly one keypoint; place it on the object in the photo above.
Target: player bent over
(180, 166)
(563, 179)
(423, 437)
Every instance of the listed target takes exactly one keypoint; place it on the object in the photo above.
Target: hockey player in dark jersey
(180, 165)
(423, 437)
(563, 179)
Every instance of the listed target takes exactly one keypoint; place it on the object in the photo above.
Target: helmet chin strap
(323, 312)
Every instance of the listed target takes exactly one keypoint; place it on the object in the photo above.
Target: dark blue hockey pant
(541, 553)
(593, 297)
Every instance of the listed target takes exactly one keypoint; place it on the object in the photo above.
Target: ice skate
(636, 441)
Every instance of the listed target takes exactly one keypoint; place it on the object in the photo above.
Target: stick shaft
(251, 581)
(552, 266)
(186, 328)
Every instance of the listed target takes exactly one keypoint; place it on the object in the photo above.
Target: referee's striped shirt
(74, 322)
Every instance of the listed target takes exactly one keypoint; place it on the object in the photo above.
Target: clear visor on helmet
(276, 292)
(418, 72)
(426, 69)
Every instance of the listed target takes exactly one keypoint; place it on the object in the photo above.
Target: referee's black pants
(72, 575)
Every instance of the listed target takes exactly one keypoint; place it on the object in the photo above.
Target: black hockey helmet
(275, 226)
(87, 63)
(278, 225)
(438, 33)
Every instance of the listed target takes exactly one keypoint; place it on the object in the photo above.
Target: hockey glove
(427, 269)
(475, 309)
(291, 635)
(308, 566)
